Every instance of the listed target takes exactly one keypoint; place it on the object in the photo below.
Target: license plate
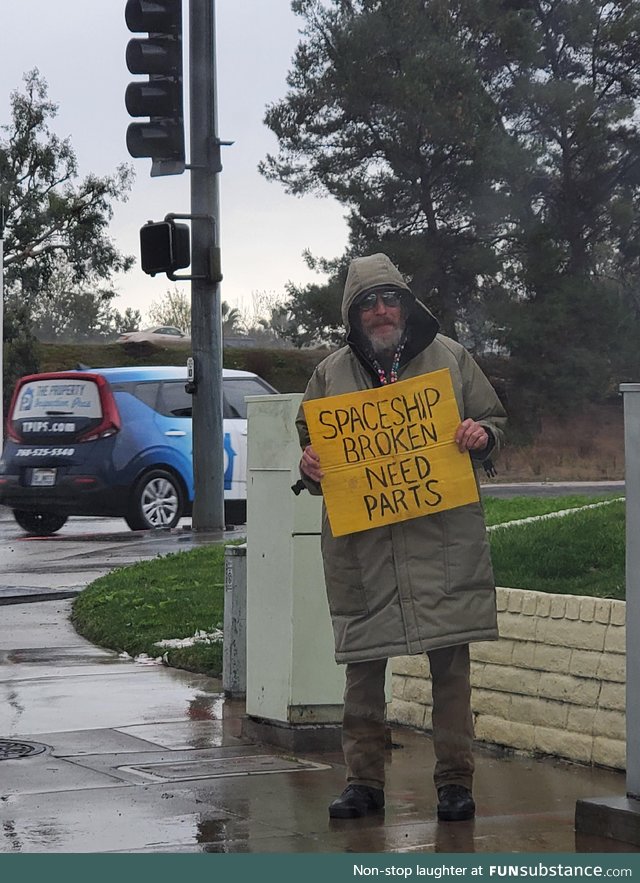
(43, 477)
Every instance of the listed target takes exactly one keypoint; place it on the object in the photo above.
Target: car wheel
(157, 501)
(39, 524)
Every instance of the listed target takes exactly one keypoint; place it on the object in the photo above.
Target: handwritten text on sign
(388, 453)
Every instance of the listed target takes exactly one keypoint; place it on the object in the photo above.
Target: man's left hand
(471, 436)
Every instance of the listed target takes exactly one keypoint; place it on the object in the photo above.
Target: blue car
(116, 442)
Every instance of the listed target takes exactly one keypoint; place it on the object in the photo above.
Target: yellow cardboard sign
(388, 454)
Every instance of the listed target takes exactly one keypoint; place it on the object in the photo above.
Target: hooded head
(365, 273)
(378, 272)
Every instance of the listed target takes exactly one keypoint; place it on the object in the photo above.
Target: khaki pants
(363, 722)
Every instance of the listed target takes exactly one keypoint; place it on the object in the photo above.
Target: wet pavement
(149, 759)
(39, 569)
(552, 488)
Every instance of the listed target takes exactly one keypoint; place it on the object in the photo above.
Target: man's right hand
(310, 464)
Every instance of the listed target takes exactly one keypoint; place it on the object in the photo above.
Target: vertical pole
(206, 329)
(631, 395)
(234, 648)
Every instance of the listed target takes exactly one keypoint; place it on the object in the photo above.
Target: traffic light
(164, 247)
(160, 97)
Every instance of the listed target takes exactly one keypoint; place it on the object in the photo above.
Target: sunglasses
(369, 301)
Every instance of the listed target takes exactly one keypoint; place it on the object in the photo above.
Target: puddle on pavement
(60, 656)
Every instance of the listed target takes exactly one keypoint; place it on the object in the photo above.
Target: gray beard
(386, 344)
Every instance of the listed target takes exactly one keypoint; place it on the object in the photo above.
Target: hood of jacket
(378, 270)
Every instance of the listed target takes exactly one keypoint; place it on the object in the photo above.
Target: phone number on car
(45, 452)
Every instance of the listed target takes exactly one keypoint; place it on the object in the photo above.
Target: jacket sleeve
(481, 403)
(315, 390)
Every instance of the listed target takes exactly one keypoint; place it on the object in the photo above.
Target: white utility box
(292, 677)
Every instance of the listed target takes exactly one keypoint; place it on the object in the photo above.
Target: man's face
(382, 322)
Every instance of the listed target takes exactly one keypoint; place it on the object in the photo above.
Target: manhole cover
(10, 749)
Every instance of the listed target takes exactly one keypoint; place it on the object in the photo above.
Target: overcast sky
(79, 46)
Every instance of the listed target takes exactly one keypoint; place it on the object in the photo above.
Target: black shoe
(357, 801)
(455, 803)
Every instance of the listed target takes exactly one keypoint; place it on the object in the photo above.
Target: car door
(173, 420)
(235, 444)
(235, 431)
(174, 417)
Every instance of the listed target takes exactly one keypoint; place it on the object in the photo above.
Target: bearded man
(424, 585)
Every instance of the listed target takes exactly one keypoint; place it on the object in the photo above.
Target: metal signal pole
(160, 98)
(206, 328)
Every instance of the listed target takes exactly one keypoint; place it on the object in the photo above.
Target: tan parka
(428, 582)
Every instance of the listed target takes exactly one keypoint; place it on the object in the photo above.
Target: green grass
(582, 554)
(170, 597)
(178, 595)
(498, 511)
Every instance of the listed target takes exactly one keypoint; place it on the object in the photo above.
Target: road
(35, 568)
(553, 488)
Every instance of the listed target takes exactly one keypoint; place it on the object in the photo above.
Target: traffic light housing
(159, 98)
(164, 247)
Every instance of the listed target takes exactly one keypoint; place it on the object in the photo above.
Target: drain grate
(11, 749)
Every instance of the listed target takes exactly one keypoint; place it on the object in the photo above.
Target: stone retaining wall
(553, 684)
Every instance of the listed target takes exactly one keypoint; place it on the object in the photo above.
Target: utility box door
(292, 676)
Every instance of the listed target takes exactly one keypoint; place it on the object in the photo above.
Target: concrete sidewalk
(144, 758)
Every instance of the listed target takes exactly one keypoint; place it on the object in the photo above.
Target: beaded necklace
(395, 365)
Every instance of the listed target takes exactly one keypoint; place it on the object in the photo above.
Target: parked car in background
(160, 334)
(116, 442)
